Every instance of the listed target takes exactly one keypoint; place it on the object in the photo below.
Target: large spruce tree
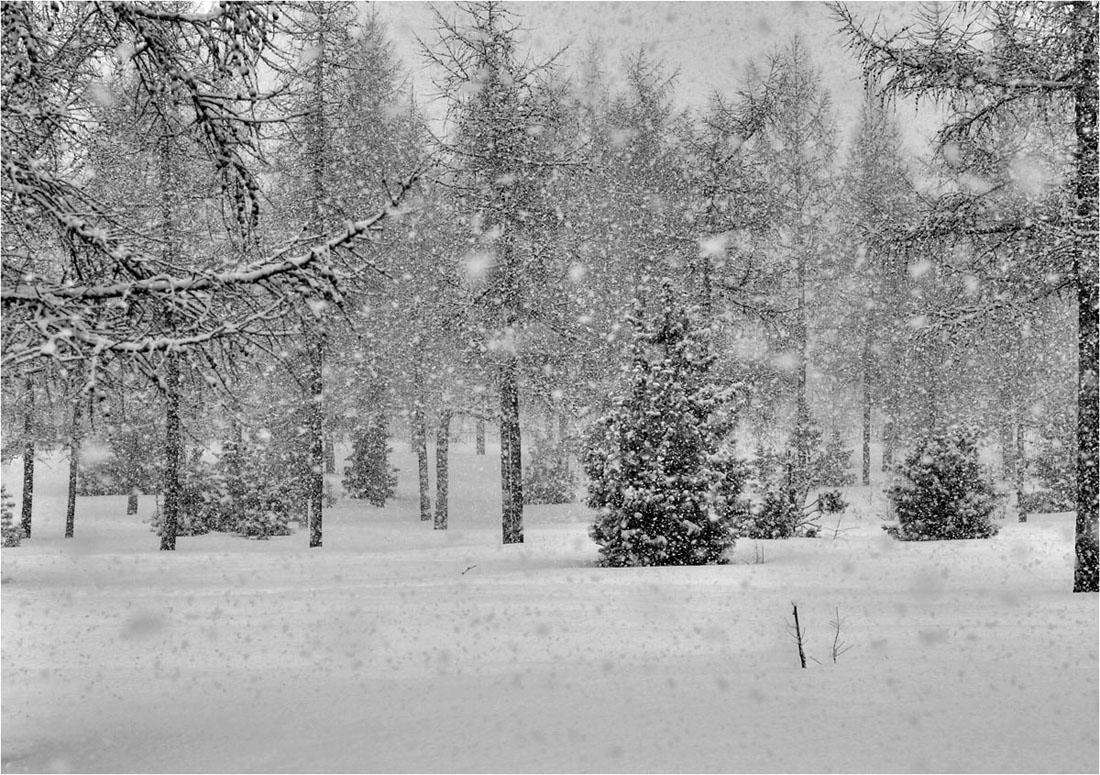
(662, 472)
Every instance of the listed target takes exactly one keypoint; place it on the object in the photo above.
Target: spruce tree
(941, 493)
(662, 475)
(369, 475)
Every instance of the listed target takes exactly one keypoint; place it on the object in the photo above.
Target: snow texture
(399, 648)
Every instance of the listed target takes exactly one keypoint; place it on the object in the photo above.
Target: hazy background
(709, 44)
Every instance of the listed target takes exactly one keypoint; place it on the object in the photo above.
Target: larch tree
(796, 146)
(500, 153)
(1018, 61)
(878, 200)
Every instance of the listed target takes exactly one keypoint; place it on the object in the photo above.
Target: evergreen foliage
(661, 469)
(10, 533)
(941, 492)
(369, 475)
(834, 465)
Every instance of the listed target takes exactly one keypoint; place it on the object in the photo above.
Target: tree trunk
(889, 429)
(316, 485)
(132, 502)
(866, 359)
(479, 436)
(1019, 465)
(233, 465)
(172, 454)
(442, 440)
(420, 442)
(330, 453)
(1086, 574)
(28, 487)
(511, 462)
(74, 464)
(802, 451)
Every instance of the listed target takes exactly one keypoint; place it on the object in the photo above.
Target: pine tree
(660, 463)
(369, 475)
(941, 493)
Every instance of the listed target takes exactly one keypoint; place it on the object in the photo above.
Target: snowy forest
(479, 345)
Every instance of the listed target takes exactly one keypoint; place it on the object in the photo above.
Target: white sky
(709, 43)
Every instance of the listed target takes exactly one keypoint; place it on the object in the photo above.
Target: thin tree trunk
(74, 464)
(420, 441)
(442, 440)
(511, 462)
(866, 409)
(1020, 467)
(889, 428)
(316, 486)
(28, 468)
(1086, 574)
(802, 451)
(173, 454)
(479, 436)
(234, 467)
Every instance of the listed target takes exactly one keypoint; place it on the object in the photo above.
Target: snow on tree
(369, 475)
(663, 476)
(10, 533)
(941, 492)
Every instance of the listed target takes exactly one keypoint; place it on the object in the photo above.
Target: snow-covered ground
(398, 648)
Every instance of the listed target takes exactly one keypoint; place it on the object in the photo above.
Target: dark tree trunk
(233, 464)
(511, 462)
(479, 436)
(316, 484)
(420, 442)
(172, 454)
(132, 502)
(1019, 465)
(28, 487)
(866, 409)
(1086, 574)
(442, 440)
(74, 464)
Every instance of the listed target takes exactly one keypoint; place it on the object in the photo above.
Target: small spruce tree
(834, 465)
(369, 475)
(941, 493)
(662, 472)
(10, 532)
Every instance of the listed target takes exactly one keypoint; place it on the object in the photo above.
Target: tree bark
(511, 462)
(74, 464)
(28, 463)
(866, 363)
(420, 442)
(479, 436)
(172, 454)
(316, 483)
(1019, 465)
(442, 440)
(1086, 574)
